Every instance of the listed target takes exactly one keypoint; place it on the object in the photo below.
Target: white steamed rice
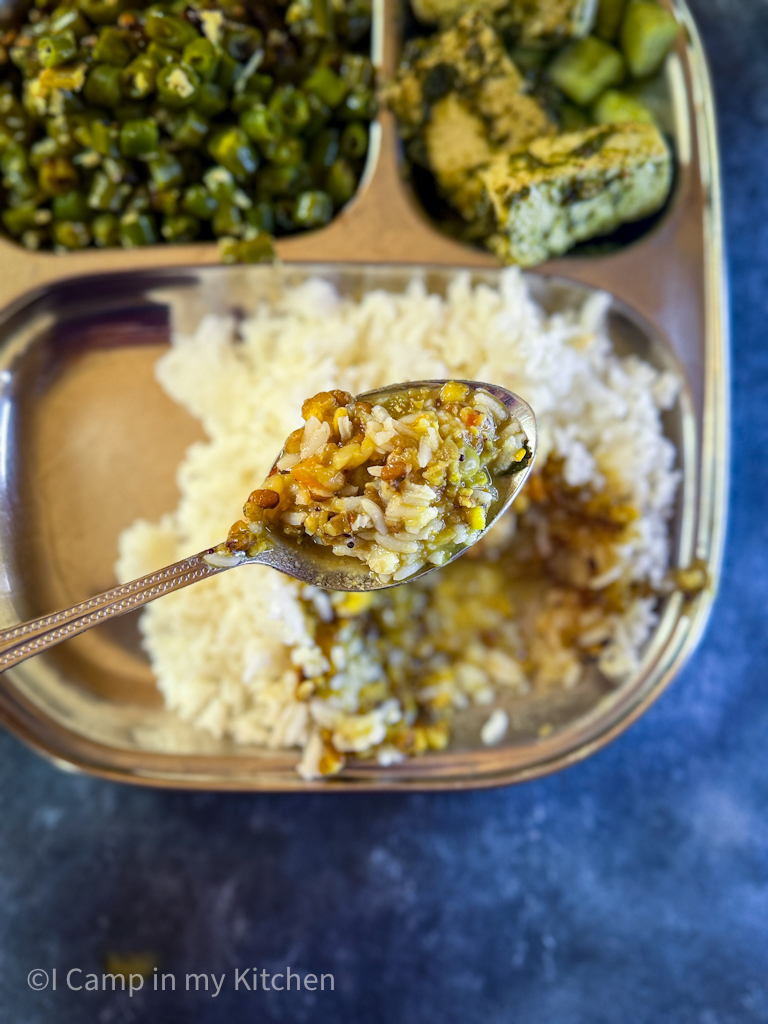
(230, 653)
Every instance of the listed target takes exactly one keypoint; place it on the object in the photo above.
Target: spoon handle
(29, 638)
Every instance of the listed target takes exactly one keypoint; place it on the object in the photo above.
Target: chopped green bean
(15, 120)
(19, 219)
(357, 71)
(286, 151)
(106, 195)
(22, 185)
(247, 94)
(136, 229)
(313, 209)
(354, 141)
(220, 183)
(201, 56)
(102, 87)
(139, 138)
(359, 105)
(165, 201)
(61, 129)
(34, 238)
(14, 159)
(261, 124)
(71, 206)
(282, 181)
(166, 170)
(169, 30)
(284, 211)
(291, 106)
(191, 129)
(319, 116)
(71, 234)
(250, 91)
(104, 138)
(138, 80)
(139, 200)
(118, 170)
(232, 148)
(258, 249)
(199, 202)
(162, 54)
(106, 230)
(227, 72)
(341, 182)
(325, 149)
(45, 149)
(177, 85)
(243, 43)
(131, 110)
(64, 18)
(327, 86)
(102, 12)
(87, 160)
(228, 220)
(58, 176)
(211, 99)
(261, 217)
(57, 49)
(182, 228)
(114, 47)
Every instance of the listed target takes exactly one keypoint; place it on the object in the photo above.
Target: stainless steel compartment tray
(81, 414)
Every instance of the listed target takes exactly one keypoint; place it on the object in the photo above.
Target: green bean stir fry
(129, 125)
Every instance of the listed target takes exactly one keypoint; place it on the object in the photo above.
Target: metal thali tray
(88, 442)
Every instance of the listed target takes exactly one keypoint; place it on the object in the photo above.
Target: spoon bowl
(319, 566)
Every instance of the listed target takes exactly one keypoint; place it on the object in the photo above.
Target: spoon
(310, 563)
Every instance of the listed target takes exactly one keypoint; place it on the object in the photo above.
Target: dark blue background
(632, 888)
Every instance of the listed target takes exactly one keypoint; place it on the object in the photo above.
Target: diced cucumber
(648, 33)
(608, 20)
(583, 69)
(615, 106)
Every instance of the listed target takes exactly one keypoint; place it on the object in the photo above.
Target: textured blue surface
(632, 888)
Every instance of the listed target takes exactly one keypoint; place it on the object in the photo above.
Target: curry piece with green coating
(460, 99)
(564, 190)
(527, 21)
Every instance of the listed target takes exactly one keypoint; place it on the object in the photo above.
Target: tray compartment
(83, 411)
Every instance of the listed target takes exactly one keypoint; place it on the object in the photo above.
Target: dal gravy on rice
(564, 586)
